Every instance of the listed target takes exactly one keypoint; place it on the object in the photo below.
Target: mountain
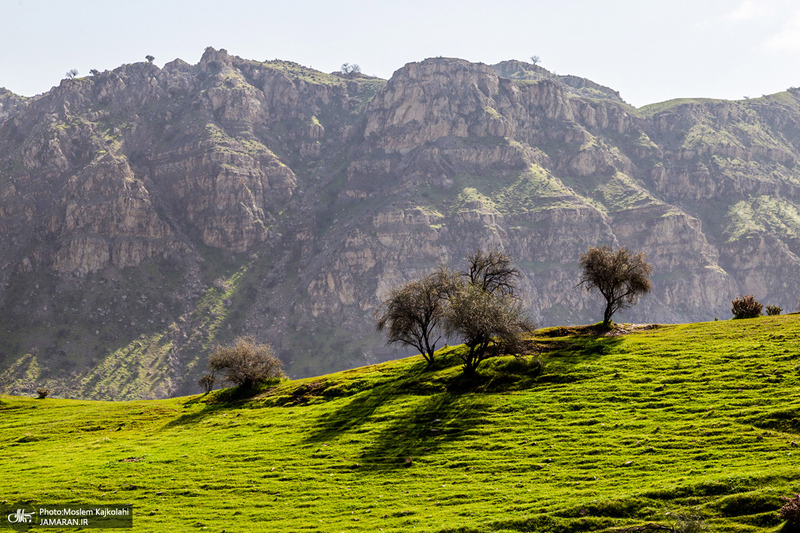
(148, 213)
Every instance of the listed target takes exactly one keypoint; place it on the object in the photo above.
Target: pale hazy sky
(650, 51)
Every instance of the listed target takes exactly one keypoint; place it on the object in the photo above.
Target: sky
(650, 51)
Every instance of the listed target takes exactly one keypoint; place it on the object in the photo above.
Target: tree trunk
(431, 350)
(607, 316)
(470, 362)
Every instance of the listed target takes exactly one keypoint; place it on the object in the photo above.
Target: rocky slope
(9, 102)
(146, 213)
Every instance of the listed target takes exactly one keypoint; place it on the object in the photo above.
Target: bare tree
(206, 382)
(71, 73)
(535, 60)
(492, 272)
(480, 306)
(486, 312)
(413, 312)
(245, 363)
(621, 277)
(487, 323)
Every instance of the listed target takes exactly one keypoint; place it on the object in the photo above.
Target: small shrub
(245, 363)
(688, 523)
(773, 310)
(43, 392)
(746, 307)
(791, 510)
(206, 382)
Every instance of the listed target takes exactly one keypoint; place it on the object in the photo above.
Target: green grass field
(667, 425)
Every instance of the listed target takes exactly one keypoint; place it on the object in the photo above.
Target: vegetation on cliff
(148, 213)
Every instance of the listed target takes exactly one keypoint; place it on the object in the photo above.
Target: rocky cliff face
(146, 213)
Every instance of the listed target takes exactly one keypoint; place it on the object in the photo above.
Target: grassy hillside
(697, 420)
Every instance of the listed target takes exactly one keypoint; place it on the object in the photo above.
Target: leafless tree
(621, 277)
(487, 323)
(71, 73)
(480, 307)
(492, 272)
(206, 382)
(412, 314)
(245, 362)
(535, 60)
(486, 312)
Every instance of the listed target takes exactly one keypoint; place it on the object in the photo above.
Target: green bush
(746, 307)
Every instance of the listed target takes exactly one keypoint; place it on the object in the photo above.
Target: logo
(21, 517)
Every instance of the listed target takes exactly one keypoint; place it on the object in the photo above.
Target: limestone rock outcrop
(147, 213)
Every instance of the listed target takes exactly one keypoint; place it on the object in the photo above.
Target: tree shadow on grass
(421, 379)
(431, 406)
(576, 348)
(579, 346)
(566, 357)
(350, 416)
(214, 402)
(429, 409)
(445, 386)
(426, 426)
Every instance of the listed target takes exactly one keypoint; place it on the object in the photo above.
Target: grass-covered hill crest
(679, 426)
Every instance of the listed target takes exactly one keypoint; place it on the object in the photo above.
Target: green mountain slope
(697, 420)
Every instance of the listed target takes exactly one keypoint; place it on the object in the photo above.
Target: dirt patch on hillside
(595, 329)
(624, 329)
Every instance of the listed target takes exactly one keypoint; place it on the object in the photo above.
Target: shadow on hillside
(566, 356)
(191, 418)
(360, 409)
(423, 412)
(578, 346)
(420, 379)
(214, 402)
(440, 382)
(427, 396)
(422, 429)
(349, 417)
